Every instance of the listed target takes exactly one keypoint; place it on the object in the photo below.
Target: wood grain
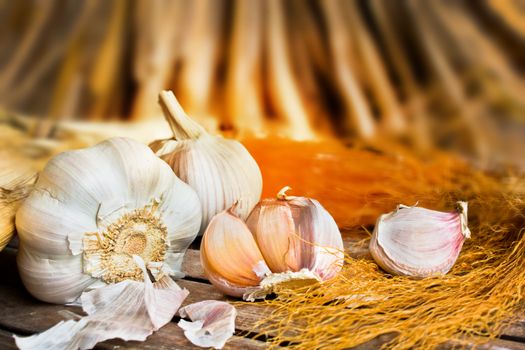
(24, 315)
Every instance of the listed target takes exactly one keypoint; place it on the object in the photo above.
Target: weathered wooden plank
(248, 313)
(7, 341)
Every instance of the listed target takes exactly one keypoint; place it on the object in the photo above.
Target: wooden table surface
(22, 314)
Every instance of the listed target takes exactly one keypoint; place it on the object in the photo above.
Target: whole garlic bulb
(419, 242)
(221, 171)
(92, 209)
(16, 179)
(288, 240)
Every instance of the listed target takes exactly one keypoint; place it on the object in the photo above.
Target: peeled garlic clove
(230, 256)
(419, 242)
(110, 315)
(295, 233)
(213, 323)
(220, 170)
(92, 209)
(16, 180)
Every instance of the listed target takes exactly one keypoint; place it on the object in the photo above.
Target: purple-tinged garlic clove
(294, 242)
(295, 233)
(418, 242)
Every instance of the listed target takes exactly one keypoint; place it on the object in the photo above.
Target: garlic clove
(298, 239)
(230, 255)
(297, 233)
(220, 170)
(110, 315)
(419, 242)
(213, 323)
(276, 237)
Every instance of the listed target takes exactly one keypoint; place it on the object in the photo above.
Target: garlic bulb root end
(283, 280)
(109, 255)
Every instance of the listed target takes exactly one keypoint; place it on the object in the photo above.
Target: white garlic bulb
(92, 209)
(288, 240)
(220, 170)
(419, 242)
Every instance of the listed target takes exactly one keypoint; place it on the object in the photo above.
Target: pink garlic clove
(419, 242)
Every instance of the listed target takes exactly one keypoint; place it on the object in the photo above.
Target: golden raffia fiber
(470, 305)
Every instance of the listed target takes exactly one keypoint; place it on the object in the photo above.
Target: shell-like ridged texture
(418, 242)
(221, 171)
(87, 190)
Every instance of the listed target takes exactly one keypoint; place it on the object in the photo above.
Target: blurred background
(425, 75)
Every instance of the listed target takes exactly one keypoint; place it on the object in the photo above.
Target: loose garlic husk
(129, 310)
(289, 241)
(419, 242)
(92, 209)
(221, 171)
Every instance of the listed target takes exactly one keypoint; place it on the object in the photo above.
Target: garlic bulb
(92, 209)
(419, 242)
(288, 240)
(221, 171)
(16, 180)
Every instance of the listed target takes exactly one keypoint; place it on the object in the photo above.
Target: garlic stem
(282, 194)
(461, 208)
(182, 126)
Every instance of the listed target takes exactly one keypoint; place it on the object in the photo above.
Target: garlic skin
(419, 242)
(212, 323)
(91, 210)
(220, 170)
(289, 241)
(109, 314)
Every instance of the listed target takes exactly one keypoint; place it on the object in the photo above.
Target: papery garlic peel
(212, 323)
(92, 209)
(109, 314)
(414, 241)
(288, 240)
(220, 170)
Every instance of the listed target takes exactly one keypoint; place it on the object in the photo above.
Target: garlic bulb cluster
(91, 210)
(419, 242)
(16, 180)
(287, 240)
(221, 171)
